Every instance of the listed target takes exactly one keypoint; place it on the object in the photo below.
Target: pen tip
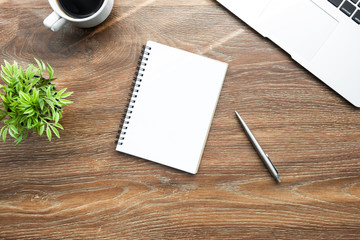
(278, 179)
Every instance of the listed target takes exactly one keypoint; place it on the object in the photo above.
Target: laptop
(322, 35)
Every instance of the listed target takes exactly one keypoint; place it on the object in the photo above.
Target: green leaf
(41, 129)
(25, 133)
(43, 66)
(5, 69)
(6, 63)
(34, 81)
(29, 111)
(6, 79)
(23, 119)
(48, 133)
(41, 103)
(13, 129)
(35, 96)
(55, 131)
(48, 91)
(28, 124)
(12, 133)
(29, 72)
(53, 114)
(15, 68)
(4, 133)
(2, 115)
(18, 140)
(50, 71)
(24, 96)
(58, 125)
(61, 92)
(56, 117)
(12, 114)
(50, 103)
(39, 65)
(65, 95)
(22, 104)
(4, 99)
(65, 101)
(22, 74)
(27, 88)
(47, 119)
(35, 122)
(8, 68)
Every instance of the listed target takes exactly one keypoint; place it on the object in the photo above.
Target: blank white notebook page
(173, 107)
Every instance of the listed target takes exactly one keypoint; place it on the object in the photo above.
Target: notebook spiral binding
(144, 58)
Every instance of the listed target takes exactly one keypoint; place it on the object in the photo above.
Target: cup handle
(54, 22)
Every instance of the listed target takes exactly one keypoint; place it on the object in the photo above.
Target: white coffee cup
(59, 16)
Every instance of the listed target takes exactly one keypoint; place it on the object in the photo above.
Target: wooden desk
(80, 187)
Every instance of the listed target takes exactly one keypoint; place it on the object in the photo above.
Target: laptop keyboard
(350, 8)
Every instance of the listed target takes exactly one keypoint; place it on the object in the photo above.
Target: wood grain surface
(79, 187)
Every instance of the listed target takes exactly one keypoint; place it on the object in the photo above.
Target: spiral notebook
(171, 107)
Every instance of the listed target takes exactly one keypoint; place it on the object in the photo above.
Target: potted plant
(30, 101)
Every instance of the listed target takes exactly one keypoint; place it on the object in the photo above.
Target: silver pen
(264, 157)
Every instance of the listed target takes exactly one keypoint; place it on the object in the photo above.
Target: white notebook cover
(173, 108)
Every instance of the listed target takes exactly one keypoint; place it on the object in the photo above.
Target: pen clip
(271, 163)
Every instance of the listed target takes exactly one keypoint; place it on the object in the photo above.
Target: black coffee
(80, 8)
